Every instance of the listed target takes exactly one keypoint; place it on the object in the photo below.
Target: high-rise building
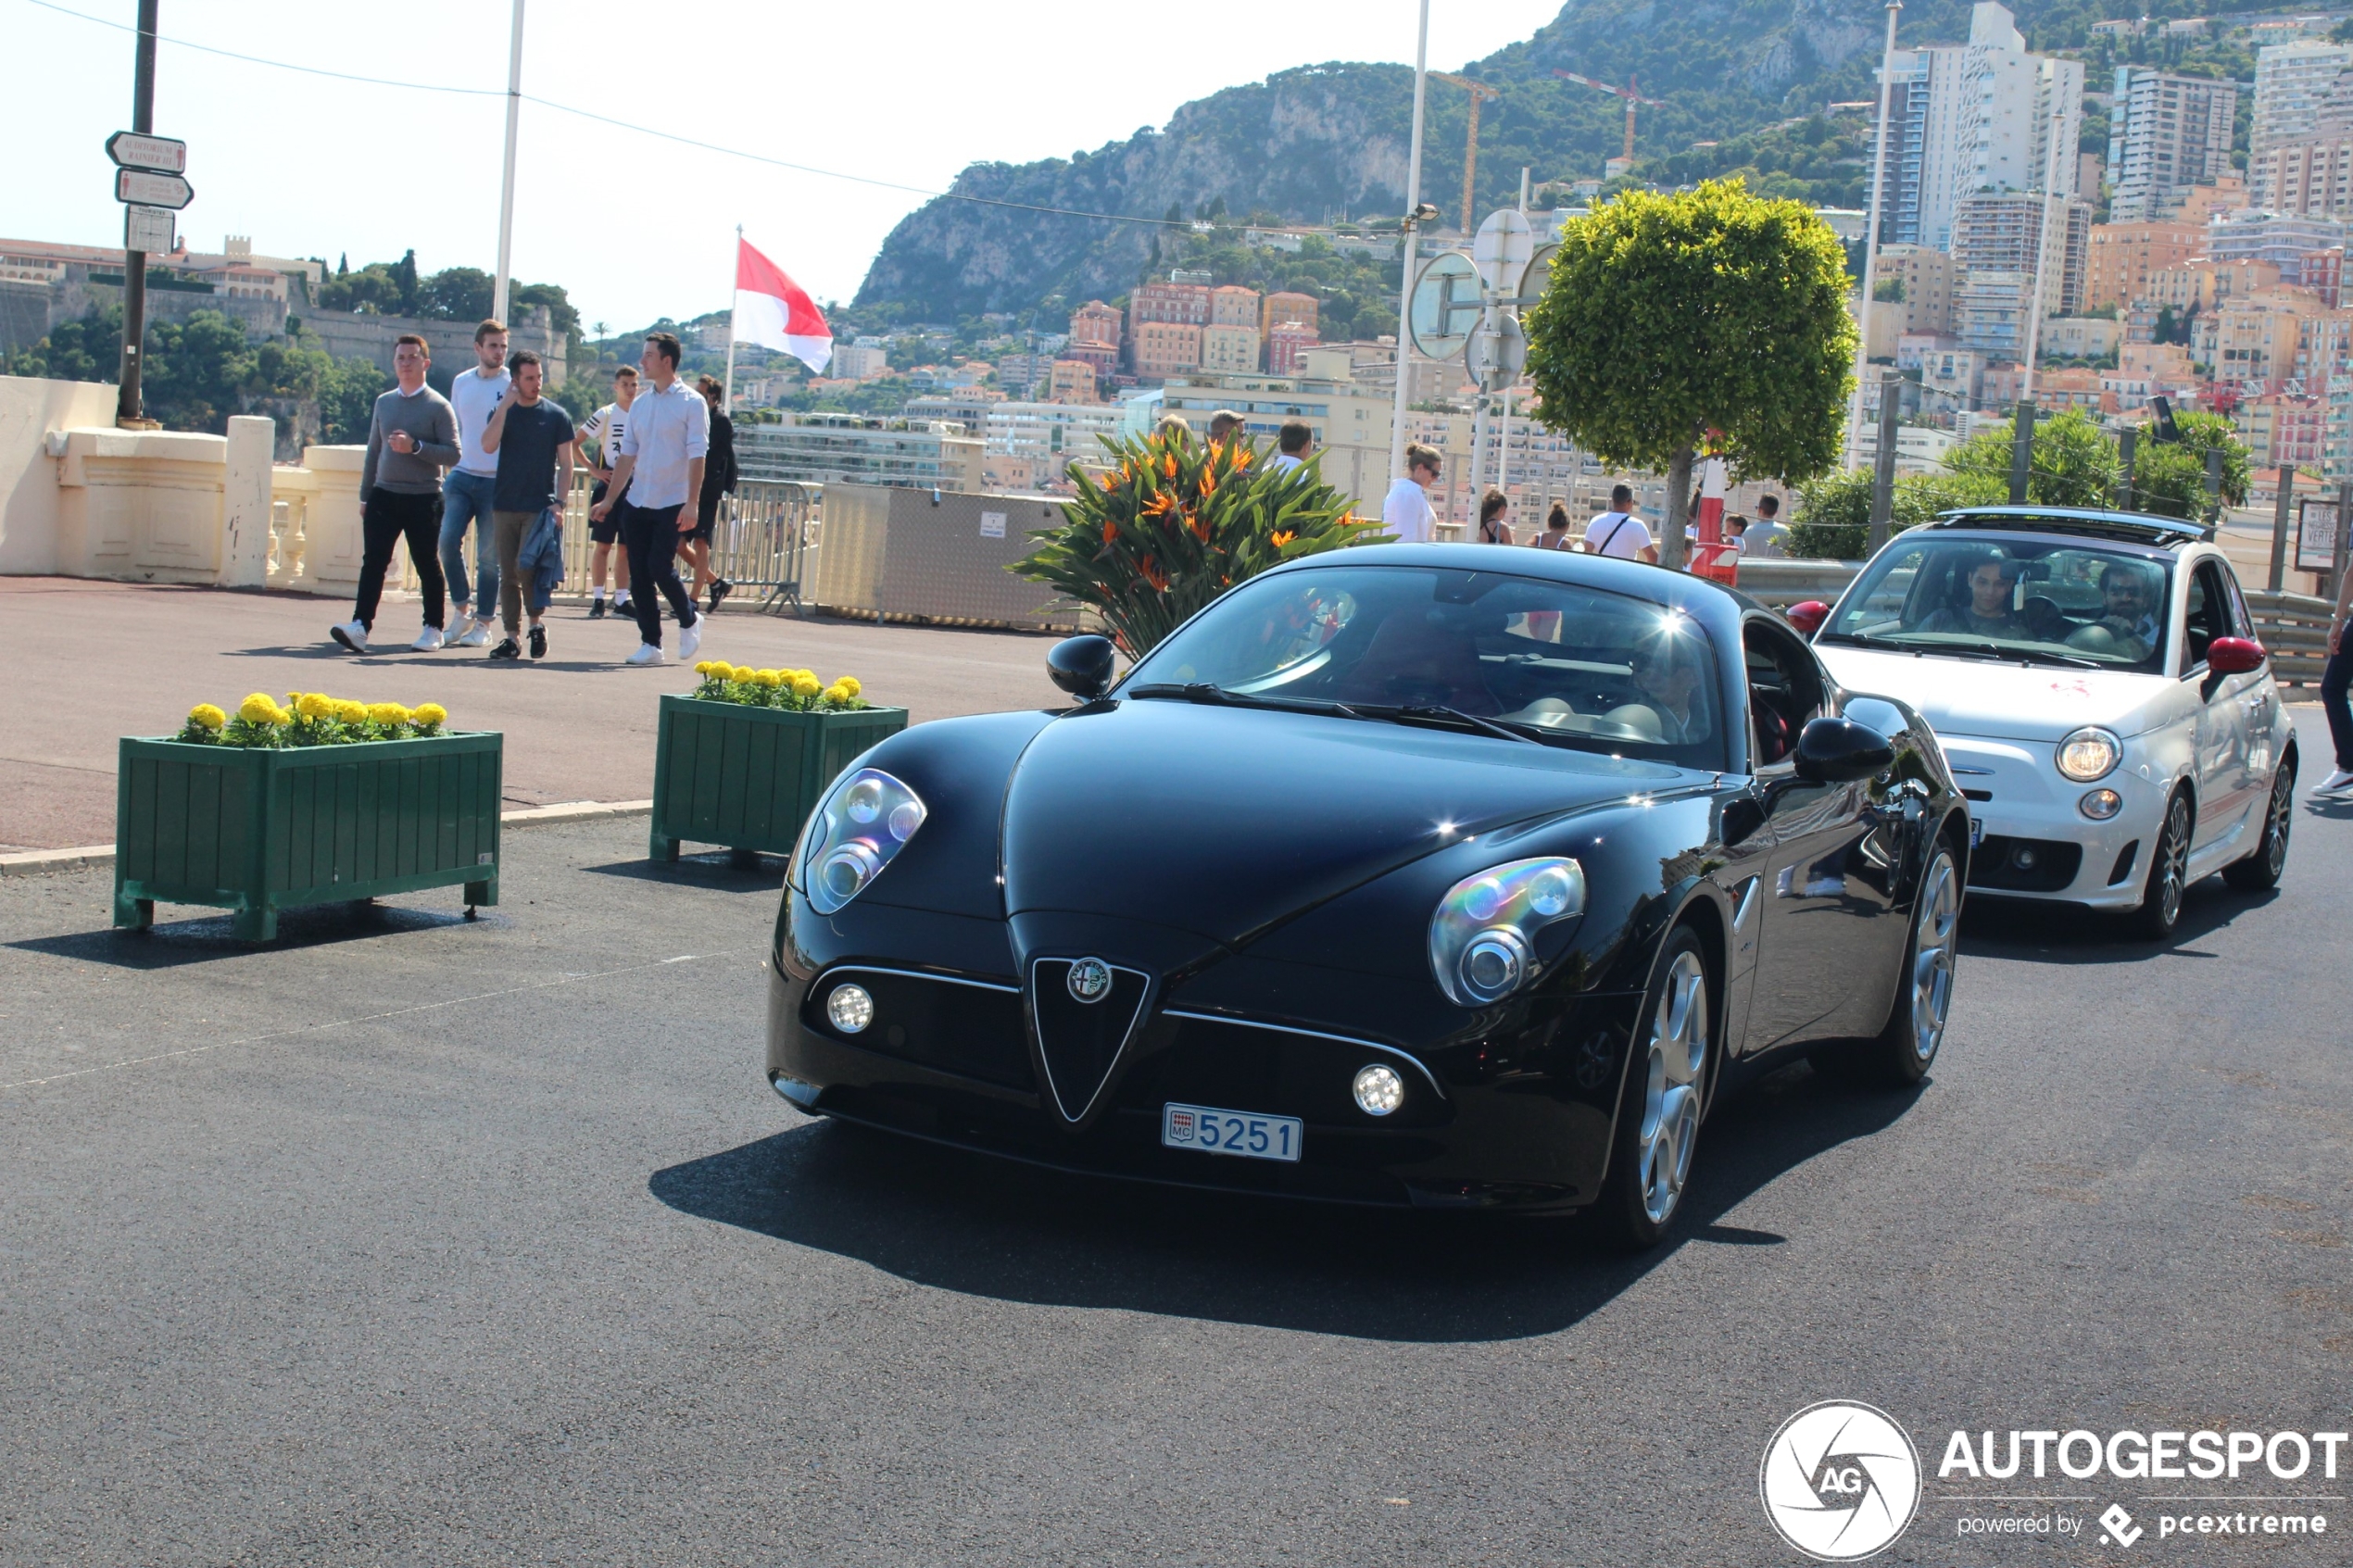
(2002, 232)
(2124, 256)
(2292, 82)
(1927, 277)
(1975, 116)
(2282, 239)
(2166, 135)
(1990, 313)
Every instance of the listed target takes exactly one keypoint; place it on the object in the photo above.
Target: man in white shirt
(1766, 536)
(1293, 443)
(1407, 511)
(654, 490)
(467, 493)
(1619, 532)
(598, 447)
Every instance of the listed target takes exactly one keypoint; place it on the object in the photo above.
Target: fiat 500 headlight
(865, 822)
(2089, 754)
(1482, 940)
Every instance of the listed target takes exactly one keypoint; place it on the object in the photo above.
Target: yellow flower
(204, 713)
(806, 684)
(769, 678)
(428, 713)
(313, 705)
(740, 673)
(849, 684)
(258, 708)
(351, 712)
(387, 713)
(836, 692)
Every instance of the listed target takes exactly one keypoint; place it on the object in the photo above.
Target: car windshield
(1568, 665)
(2004, 596)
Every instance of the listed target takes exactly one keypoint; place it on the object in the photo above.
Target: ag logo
(1089, 979)
(1839, 1481)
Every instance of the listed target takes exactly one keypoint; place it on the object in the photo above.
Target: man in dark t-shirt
(532, 438)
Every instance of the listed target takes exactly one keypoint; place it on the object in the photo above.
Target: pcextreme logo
(1839, 1481)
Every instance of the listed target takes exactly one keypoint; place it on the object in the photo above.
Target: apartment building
(852, 448)
(1928, 278)
(2167, 133)
(2281, 239)
(2283, 428)
(2120, 258)
(1287, 305)
(2292, 85)
(1166, 348)
(1287, 344)
(2002, 232)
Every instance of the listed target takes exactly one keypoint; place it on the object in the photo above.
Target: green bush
(1834, 511)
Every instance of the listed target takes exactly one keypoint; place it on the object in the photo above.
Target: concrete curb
(100, 857)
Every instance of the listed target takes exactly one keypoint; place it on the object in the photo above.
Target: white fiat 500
(2099, 693)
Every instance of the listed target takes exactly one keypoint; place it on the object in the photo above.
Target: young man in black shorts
(598, 446)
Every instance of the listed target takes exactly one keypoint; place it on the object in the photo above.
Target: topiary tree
(1177, 522)
(1669, 317)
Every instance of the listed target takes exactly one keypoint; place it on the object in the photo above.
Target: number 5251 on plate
(1242, 1132)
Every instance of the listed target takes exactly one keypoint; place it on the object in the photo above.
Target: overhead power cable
(624, 125)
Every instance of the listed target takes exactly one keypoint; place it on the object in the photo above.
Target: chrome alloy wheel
(2282, 816)
(2171, 880)
(1934, 955)
(1671, 1106)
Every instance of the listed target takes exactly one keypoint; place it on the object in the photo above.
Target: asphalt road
(419, 1242)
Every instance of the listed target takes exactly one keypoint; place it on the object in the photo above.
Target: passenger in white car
(1988, 612)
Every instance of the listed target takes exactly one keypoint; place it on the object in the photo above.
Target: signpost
(140, 148)
(1446, 301)
(148, 189)
(130, 150)
(1497, 352)
(2316, 536)
(149, 230)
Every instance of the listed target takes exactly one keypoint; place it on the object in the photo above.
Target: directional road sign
(130, 150)
(149, 229)
(1446, 304)
(1497, 353)
(1501, 248)
(152, 190)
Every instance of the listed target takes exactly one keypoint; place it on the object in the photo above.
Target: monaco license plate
(1231, 1132)
(1976, 832)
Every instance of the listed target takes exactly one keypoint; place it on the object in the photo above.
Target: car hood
(1969, 697)
(1224, 822)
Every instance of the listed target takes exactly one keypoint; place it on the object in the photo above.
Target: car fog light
(2101, 804)
(850, 1009)
(1378, 1090)
(2023, 857)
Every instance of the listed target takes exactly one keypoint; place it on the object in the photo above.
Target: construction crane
(1632, 93)
(1478, 91)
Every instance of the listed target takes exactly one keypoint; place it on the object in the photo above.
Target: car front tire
(2167, 884)
(2260, 872)
(1659, 1108)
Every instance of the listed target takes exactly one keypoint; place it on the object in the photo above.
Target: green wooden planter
(258, 830)
(748, 777)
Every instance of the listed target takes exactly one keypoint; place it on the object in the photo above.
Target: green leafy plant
(2074, 462)
(2169, 477)
(1177, 522)
(1834, 511)
(795, 691)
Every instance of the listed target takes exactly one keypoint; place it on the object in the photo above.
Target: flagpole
(728, 399)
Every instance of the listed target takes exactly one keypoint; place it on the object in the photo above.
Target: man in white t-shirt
(598, 447)
(466, 494)
(1619, 532)
(1293, 443)
(1406, 511)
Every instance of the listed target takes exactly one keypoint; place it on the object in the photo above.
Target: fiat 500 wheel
(2260, 870)
(2161, 909)
(1659, 1110)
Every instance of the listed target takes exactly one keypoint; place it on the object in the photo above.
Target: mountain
(1306, 145)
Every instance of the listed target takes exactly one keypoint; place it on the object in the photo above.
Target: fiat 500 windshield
(1982, 596)
(1481, 652)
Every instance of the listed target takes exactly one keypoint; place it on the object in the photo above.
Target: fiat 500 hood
(1222, 821)
(1969, 697)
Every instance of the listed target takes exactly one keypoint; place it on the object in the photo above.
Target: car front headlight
(866, 819)
(1482, 940)
(2089, 754)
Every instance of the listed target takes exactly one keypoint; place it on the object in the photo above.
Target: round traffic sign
(1538, 273)
(1501, 248)
(1496, 353)
(1446, 305)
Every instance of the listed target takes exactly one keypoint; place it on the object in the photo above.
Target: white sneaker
(647, 653)
(463, 624)
(479, 638)
(2335, 784)
(427, 640)
(690, 638)
(352, 634)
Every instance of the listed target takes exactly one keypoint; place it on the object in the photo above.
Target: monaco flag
(774, 312)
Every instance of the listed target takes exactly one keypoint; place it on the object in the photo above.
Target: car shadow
(2003, 928)
(717, 869)
(171, 944)
(967, 1223)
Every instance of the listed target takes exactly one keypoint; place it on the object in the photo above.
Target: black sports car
(1456, 875)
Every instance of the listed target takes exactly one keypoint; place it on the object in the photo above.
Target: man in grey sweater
(413, 437)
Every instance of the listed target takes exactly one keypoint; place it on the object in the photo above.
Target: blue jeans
(466, 497)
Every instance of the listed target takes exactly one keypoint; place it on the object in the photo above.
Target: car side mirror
(1081, 666)
(1808, 615)
(1840, 751)
(2234, 655)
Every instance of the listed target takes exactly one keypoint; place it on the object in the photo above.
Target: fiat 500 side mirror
(1081, 666)
(2234, 655)
(1808, 615)
(1839, 750)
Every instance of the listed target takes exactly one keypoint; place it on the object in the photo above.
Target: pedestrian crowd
(497, 458)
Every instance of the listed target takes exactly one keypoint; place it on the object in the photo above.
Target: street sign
(1501, 248)
(1497, 353)
(152, 190)
(149, 229)
(130, 150)
(1446, 302)
(1538, 273)
(2316, 536)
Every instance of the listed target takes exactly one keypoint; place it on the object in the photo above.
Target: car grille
(1080, 1041)
(970, 1027)
(2024, 865)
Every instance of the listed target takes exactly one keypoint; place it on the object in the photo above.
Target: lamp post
(507, 182)
(129, 411)
(1870, 240)
(1405, 289)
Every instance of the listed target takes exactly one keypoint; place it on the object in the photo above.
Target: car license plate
(1231, 1132)
(1976, 832)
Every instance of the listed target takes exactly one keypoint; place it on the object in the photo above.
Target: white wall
(29, 410)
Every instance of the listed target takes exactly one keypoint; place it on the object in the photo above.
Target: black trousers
(652, 536)
(2336, 678)
(388, 517)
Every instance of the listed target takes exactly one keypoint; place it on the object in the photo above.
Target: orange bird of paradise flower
(1208, 483)
(1153, 573)
(1242, 457)
(1160, 506)
(1198, 524)
(1282, 537)
(1168, 465)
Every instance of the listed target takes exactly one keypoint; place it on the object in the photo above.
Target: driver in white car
(2128, 626)
(1988, 612)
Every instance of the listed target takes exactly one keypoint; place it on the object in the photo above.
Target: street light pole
(507, 183)
(1870, 240)
(1405, 289)
(2042, 255)
(129, 414)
